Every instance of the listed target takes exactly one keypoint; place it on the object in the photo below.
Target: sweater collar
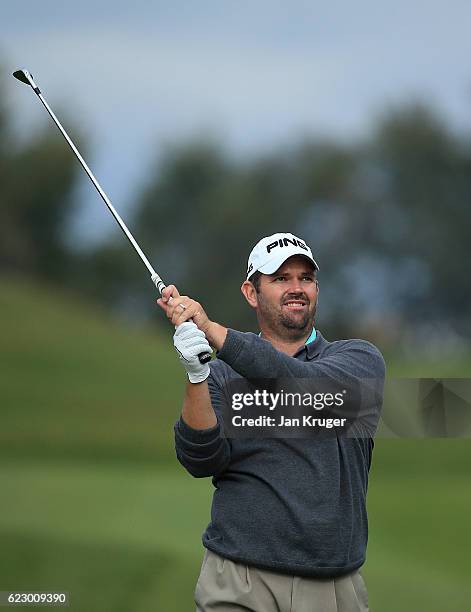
(313, 344)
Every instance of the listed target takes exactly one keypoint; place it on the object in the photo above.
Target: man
(288, 528)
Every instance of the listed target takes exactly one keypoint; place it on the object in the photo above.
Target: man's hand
(181, 308)
(189, 342)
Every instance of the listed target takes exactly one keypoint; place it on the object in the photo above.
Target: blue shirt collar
(312, 337)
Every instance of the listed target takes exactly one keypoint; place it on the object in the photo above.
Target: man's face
(287, 300)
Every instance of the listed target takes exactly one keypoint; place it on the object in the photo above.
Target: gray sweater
(293, 505)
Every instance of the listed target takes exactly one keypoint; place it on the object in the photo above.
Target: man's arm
(199, 444)
(253, 357)
(197, 409)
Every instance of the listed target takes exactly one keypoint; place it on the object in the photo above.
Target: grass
(115, 534)
(418, 503)
(76, 383)
(94, 503)
(115, 537)
(97, 577)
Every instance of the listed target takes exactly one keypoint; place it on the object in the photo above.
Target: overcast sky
(255, 72)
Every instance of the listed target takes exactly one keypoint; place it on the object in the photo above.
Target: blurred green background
(349, 128)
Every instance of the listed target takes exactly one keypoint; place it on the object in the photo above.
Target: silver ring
(182, 306)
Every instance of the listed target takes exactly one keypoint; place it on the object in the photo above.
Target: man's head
(282, 286)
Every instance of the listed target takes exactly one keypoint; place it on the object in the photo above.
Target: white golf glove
(189, 342)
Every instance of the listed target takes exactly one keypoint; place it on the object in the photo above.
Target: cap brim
(272, 266)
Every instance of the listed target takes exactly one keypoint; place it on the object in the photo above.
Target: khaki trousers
(225, 586)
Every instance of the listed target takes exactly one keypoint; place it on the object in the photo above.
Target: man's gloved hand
(189, 342)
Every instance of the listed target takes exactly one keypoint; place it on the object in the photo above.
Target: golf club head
(25, 77)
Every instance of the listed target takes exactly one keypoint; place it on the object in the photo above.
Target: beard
(289, 325)
(301, 323)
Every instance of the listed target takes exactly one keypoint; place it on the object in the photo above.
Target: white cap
(271, 252)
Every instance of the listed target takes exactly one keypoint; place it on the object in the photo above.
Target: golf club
(25, 77)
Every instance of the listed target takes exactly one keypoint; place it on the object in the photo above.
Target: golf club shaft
(26, 77)
(103, 195)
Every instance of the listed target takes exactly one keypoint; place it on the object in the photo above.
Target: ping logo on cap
(283, 242)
